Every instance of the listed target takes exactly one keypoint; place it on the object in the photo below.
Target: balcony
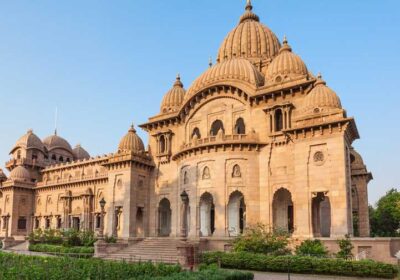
(249, 141)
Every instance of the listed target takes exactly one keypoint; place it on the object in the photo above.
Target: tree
(385, 218)
(346, 248)
(313, 248)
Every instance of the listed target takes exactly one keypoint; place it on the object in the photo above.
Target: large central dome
(250, 39)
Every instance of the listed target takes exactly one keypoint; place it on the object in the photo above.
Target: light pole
(102, 205)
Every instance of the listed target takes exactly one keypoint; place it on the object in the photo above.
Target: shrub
(48, 236)
(313, 248)
(85, 252)
(346, 248)
(300, 264)
(28, 267)
(88, 238)
(71, 238)
(110, 239)
(259, 239)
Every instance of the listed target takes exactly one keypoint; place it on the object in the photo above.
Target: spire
(320, 80)
(249, 7)
(285, 45)
(248, 14)
(55, 121)
(132, 129)
(210, 62)
(178, 82)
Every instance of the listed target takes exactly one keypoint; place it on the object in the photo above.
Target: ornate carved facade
(256, 138)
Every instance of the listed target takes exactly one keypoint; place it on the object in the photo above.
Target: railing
(72, 180)
(219, 139)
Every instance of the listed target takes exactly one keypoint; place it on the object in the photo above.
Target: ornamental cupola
(131, 142)
(173, 98)
(286, 66)
(321, 99)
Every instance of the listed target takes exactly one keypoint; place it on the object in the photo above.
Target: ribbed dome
(80, 153)
(20, 173)
(236, 69)
(286, 66)
(131, 142)
(356, 159)
(174, 97)
(250, 39)
(29, 141)
(56, 142)
(321, 97)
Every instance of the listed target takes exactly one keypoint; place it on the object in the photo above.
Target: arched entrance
(207, 215)
(139, 222)
(164, 217)
(321, 215)
(236, 214)
(283, 211)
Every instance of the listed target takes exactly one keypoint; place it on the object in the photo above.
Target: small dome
(56, 142)
(80, 153)
(286, 66)
(20, 173)
(355, 158)
(250, 39)
(321, 98)
(29, 141)
(174, 97)
(131, 142)
(232, 70)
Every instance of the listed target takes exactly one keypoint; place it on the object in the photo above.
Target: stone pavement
(283, 276)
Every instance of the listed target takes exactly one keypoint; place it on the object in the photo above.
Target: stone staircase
(158, 250)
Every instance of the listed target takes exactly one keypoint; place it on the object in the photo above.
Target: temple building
(256, 138)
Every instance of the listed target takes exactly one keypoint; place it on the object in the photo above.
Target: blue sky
(105, 64)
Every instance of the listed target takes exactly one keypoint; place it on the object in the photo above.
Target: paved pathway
(282, 276)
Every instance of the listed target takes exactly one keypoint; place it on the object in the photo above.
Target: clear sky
(105, 64)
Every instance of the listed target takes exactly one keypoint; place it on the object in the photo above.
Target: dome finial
(285, 45)
(249, 7)
(320, 80)
(132, 129)
(210, 62)
(178, 82)
(285, 41)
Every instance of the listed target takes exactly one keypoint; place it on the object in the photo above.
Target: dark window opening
(98, 221)
(196, 132)
(61, 159)
(37, 223)
(53, 157)
(22, 223)
(59, 223)
(216, 127)
(18, 154)
(162, 144)
(34, 156)
(278, 120)
(68, 160)
(47, 223)
(240, 127)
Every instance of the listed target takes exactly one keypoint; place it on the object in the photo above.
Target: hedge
(22, 267)
(61, 250)
(300, 264)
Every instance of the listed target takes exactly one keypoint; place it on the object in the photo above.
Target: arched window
(162, 144)
(216, 127)
(53, 157)
(196, 132)
(68, 160)
(206, 173)
(240, 127)
(19, 154)
(61, 159)
(186, 178)
(278, 120)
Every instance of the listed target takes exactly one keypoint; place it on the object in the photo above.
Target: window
(34, 156)
(61, 159)
(47, 223)
(19, 154)
(216, 127)
(37, 223)
(206, 173)
(59, 222)
(68, 160)
(278, 120)
(98, 221)
(240, 127)
(162, 144)
(185, 178)
(53, 157)
(196, 132)
(22, 223)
